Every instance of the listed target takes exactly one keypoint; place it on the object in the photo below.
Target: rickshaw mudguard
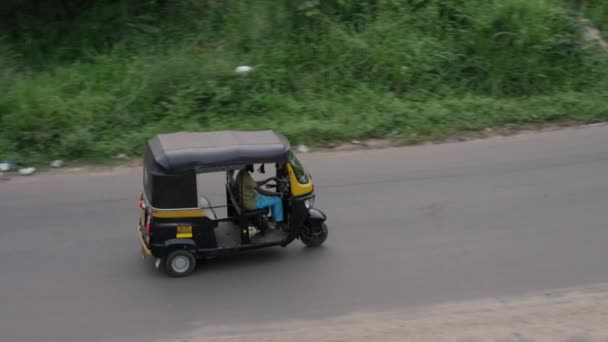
(312, 216)
(162, 250)
(315, 216)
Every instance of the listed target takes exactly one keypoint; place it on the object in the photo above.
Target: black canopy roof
(219, 150)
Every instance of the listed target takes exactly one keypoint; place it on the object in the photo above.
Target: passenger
(254, 197)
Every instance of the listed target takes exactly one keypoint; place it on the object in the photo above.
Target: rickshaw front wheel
(314, 236)
(180, 263)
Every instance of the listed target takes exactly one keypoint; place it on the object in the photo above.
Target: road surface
(409, 227)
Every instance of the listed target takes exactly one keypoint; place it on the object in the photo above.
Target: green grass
(597, 12)
(322, 75)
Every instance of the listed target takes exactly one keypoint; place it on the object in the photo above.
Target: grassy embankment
(417, 70)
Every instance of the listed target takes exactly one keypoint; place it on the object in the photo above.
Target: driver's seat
(236, 201)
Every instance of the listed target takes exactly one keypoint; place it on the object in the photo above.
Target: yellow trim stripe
(183, 236)
(178, 213)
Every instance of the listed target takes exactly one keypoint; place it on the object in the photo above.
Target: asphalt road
(408, 227)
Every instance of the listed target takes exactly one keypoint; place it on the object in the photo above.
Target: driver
(254, 197)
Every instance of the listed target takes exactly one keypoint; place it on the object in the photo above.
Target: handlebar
(280, 180)
(281, 184)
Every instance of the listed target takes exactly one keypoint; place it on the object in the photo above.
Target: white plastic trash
(7, 166)
(303, 149)
(57, 164)
(243, 69)
(27, 171)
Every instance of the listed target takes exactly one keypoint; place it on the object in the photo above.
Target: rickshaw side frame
(204, 223)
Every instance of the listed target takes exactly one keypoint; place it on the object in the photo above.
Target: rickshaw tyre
(183, 255)
(315, 241)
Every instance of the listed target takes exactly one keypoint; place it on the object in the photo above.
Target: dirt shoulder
(576, 315)
(133, 163)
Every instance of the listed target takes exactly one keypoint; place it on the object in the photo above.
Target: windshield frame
(298, 168)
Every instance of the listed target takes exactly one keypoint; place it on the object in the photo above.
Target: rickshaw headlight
(309, 203)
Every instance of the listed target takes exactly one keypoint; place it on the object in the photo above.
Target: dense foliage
(84, 78)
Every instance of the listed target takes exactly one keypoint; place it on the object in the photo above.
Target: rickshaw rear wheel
(314, 236)
(180, 263)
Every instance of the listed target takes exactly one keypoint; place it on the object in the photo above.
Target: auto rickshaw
(178, 226)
